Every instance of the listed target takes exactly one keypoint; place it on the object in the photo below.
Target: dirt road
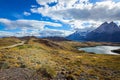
(11, 46)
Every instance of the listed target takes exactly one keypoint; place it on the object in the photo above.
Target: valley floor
(42, 59)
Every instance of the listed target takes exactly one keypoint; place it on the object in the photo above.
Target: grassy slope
(8, 41)
(56, 59)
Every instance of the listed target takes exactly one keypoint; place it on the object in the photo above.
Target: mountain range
(106, 32)
(79, 34)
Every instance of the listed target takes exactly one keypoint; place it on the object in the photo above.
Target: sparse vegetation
(63, 61)
(24, 46)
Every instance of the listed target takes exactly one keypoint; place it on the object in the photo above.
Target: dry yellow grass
(64, 59)
(8, 41)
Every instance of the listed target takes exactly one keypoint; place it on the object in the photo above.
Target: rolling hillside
(44, 59)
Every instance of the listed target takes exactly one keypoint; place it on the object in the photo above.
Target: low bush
(47, 71)
(4, 65)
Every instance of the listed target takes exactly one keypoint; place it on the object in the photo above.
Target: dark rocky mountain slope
(107, 32)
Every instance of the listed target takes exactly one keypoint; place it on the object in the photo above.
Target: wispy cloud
(12, 24)
(27, 13)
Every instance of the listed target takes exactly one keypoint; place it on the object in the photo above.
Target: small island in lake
(116, 51)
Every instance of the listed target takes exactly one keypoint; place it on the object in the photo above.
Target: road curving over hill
(14, 45)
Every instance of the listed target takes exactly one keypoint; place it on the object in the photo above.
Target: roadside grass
(8, 41)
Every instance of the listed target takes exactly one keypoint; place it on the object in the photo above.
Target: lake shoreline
(101, 49)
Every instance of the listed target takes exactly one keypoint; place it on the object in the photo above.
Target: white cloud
(78, 24)
(62, 2)
(99, 11)
(26, 32)
(27, 24)
(27, 13)
(80, 11)
(28, 28)
(44, 2)
(33, 6)
(111, 0)
(36, 32)
(19, 33)
(54, 32)
(5, 33)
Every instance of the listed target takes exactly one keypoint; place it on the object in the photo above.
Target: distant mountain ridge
(79, 35)
(56, 38)
(106, 32)
(76, 36)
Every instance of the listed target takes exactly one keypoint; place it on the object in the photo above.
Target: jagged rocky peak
(112, 24)
(107, 28)
(113, 27)
(105, 23)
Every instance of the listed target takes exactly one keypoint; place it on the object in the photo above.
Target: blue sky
(54, 17)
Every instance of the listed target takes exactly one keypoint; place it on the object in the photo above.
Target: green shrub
(22, 65)
(70, 77)
(21, 47)
(55, 52)
(24, 46)
(47, 71)
(4, 65)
